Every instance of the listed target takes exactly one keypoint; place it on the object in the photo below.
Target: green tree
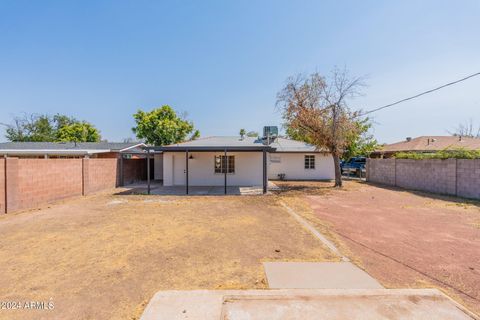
(45, 128)
(252, 134)
(243, 132)
(360, 142)
(162, 126)
(79, 132)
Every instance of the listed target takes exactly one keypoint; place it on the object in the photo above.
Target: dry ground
(403, 239)
(104, 256)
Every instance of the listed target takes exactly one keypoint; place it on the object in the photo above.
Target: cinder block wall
(100, 174)
(468, 178)
(2, 186)
(44, 180)
(28, 183)
(451, 176)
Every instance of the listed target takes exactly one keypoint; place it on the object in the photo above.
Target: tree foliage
(162, 126)
(316, 108)
(46, 128)
(457, 153)
(361, 142)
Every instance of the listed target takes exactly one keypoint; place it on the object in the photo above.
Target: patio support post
(148, 171)
(186, 171)
(264, 171)
(225, 170)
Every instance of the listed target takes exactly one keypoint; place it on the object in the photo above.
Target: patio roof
(217, 144)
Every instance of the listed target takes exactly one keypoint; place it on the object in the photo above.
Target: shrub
(460, 153)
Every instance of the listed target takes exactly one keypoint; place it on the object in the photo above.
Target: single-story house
(240, 161)
(69, 149)
(427, 144)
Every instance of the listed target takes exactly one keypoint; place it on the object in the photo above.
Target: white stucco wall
(158, 166)
(248, 169)
(293, 166)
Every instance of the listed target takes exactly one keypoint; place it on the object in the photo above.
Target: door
(178, 168)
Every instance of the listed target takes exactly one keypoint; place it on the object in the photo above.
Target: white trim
(134, 146)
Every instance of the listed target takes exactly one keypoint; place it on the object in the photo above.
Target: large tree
(162, 126)
(46, 128)
(316, 108)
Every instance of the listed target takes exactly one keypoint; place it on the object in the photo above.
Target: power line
(418, 95)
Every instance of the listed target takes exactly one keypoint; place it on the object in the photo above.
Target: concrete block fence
(28, 183)
(458, 177)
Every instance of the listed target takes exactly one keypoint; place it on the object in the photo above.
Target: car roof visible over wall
(280, 144)
(93, 147)
(432, 143)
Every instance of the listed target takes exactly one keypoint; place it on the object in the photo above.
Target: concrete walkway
(304, 304)
(318, 275)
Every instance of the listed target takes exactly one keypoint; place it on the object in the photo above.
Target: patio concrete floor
(306, 304)
(157, 188)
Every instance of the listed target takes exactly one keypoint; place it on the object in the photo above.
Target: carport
(187, 151)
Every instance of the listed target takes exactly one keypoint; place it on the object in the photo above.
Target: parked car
(355, 165)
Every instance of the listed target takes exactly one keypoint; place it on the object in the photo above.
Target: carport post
(186, 171)
(225, 170)
(148, 170)
(264, 171)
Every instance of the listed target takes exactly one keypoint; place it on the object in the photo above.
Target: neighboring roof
(237, 143)
(66, 147)
(432, 143)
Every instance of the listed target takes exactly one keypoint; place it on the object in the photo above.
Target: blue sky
(223, 62)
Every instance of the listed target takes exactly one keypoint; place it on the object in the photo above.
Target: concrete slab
(318, 275)
(305, 304)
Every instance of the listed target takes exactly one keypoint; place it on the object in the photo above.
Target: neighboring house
(237, 161)
(427, 144)
(68, 149)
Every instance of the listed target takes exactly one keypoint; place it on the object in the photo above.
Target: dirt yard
(403, 239)
(104, 256)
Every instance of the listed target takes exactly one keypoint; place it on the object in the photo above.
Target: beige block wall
(460, 177)
(28, 183)
(2, 186)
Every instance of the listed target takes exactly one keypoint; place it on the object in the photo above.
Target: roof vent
(409, 139)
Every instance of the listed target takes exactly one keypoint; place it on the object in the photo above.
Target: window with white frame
(309, 162)
(224, 164)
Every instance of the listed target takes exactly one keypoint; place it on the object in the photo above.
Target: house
(427, 144)
(68, 149)
(241, 161)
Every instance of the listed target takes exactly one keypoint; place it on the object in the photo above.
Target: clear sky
(223, 62)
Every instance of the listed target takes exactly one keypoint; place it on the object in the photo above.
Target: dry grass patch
(103, 257)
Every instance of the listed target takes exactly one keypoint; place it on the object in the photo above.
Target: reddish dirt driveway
(407, 239)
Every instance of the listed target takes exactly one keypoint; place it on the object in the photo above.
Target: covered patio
(219, 168)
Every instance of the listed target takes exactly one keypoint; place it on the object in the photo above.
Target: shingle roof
(280, 144)
(432, 143)
(66, 146)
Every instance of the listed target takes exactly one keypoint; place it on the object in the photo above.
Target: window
(224, 164)
(309, 162)
(275, 159)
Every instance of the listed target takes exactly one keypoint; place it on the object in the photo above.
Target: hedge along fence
(459, 153)
(452, 176)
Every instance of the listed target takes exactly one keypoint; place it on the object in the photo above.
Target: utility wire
(418, 95)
